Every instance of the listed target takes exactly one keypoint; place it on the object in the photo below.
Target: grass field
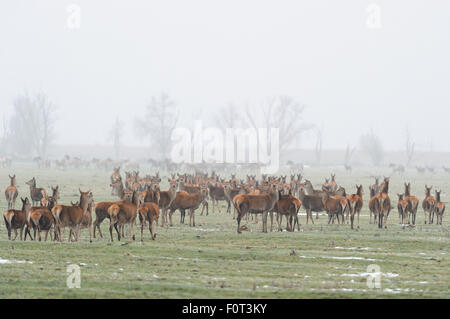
(212, 261)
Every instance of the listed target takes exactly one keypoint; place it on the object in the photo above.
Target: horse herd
(141, 197)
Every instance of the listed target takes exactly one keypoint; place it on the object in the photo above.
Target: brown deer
(41, 219)
(165, 200)
(115, 176)
(124, 213)
(71, 216)
(439, 208)
(117, 189)
(230, 192)
(148, 211)
(402, 207)
(287, 206)
(428, 203)
(310, 191)
(11, 192)
(18, 219)
(36, 194)
(311, 203)
(184, 201)
(256, 204)
(413, 203)
(217, 193)
(383, 204)
(334, 206)
(86, 221)
(355, 203)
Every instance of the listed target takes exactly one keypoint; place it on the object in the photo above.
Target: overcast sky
(351, 76)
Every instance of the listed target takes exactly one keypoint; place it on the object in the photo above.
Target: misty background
(352, 85)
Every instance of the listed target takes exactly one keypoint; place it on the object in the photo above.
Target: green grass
(212, 261)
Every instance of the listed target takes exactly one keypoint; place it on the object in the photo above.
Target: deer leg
(317, 215)
(110, 230)
(238, 223)
(170, 217)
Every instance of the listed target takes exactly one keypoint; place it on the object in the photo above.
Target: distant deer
(36, 194)
(18, 219)
(256, 204)
(446, 169)
(71, 216)
(115, 176)
(355, 203)
(420, 170)
(413, 203)
(11, 192)
(428, 204)
(117, 189)
(402, 207)
(439, 208)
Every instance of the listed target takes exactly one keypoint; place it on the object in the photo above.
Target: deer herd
(140, 198)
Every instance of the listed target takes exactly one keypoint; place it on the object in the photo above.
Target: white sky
(207, 53)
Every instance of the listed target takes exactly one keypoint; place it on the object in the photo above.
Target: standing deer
(183, 201)
(71, 216)
(148, 211)
(124, 213)
(334, 206)
(355, 203)
(310, 191)
(36, 194)
(428, 203)
(11, 192)
(165, 200)
(439, 208)
(383, 204)
(256, 204)
(311, 203)
(402, 207)
(287, 206)
(41, 219)
(18, 219)
(413, 203)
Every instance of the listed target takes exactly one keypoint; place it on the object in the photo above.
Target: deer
(230, 192)
(428, 203)
(183, 200)
(36, 194)
(216, 193)
(11, 192)
(446, 169)
(256, 204)
(18, 219)
(166, 198)
(355, 203)
(311, 191)
(86, 221)
(148, 211)
(413, 203)
(288, 206)
(383, 204)
(117, 188)
(71, 216)
(124, 213)
(334, 206)
(402, 207)
(115, 176)
(191, 189)
(439, 208)
(311, 203)
(41, 219)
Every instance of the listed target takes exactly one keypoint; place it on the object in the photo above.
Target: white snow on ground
(365, 274)
(350, 258)
(6, 261)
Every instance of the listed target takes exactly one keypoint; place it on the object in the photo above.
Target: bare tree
(372, 146)
(116, 135)
(227, 116)
(159, 121)
(281, 112)
(409, 148)
(4, 137)
(348, 157)
(32, 124)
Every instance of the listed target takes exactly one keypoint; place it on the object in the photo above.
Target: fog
(351, 77)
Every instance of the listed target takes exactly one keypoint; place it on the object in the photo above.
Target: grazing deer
(36, 194)
(183, 201)
(256, 204)
(439, 208)
(428, 204)
(165, 200)
(355, 203)
(18, 219)
(71, 216)
(11, 192)
(383, 204)
(413, 203)
(41, 219)
(402, 207)
(124, 213)
(148, 211)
